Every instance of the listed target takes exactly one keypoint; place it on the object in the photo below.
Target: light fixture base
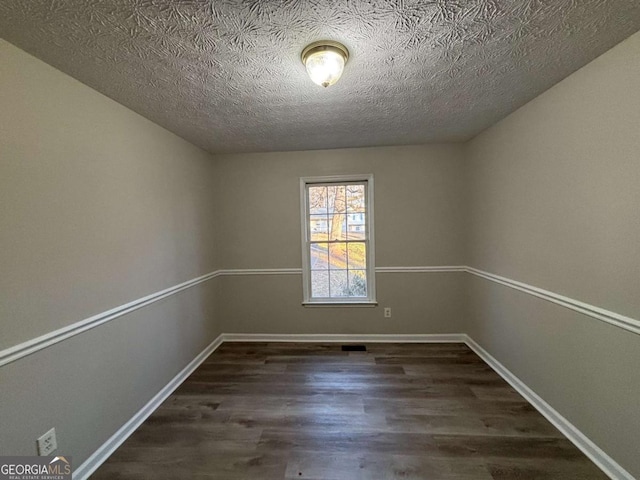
(324, 61)
(324, 46)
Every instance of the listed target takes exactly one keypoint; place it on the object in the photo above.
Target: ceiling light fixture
(325, 61)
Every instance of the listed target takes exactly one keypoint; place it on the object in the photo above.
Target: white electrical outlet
(387, 312)
(47, 443)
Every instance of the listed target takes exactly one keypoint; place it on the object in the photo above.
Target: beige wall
(419, 203)
(90, 385)
(555, 203)
(419, 216)
(422, 303)
(98, 207)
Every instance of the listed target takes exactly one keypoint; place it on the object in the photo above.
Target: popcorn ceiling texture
(226, 75)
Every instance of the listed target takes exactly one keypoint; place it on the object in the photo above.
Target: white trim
(298, 271)
(427, 269)
(597, 455)
(339, 304)
(369, 240)
(627, 323)
(260, 271)
(23, 349)
(98, 457)
(34, 345)
(336, 178)
(347, 337)
(607, 464)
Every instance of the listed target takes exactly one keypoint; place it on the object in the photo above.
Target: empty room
(326, 240)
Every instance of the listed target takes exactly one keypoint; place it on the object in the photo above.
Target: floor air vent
(354, 348)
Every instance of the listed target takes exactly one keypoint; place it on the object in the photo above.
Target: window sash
(366, 231)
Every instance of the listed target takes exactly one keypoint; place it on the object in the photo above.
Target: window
(337, 240)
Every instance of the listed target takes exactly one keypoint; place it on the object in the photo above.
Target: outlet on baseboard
(387, 312)
(47, 443)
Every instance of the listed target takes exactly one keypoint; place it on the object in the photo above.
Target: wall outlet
(47, 443)
(387, 312)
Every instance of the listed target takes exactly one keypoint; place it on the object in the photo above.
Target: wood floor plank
(450, 369)
(344, 368)
(177, 464)
(322, 359)
(311, 466)
(310, 420)
(520, 426)
(335, 440)
(549, 469)
(241, 368)
(293, 405)
(343, 388)
(429, 360)
(213, 436)
(503, 446)
(364, 379)
(447, 406)
(312, 411)
(496, 393)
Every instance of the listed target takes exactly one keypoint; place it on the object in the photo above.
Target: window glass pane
(337, 256)
(357, 256)
(318, 228)
(356, 226)
(337, 199)
(319, 256)
(338, 283)
(317, 200)
(338, 227)
(355, 198)
(358, 283)
(320, 283)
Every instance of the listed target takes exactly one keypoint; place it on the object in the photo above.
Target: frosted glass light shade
(325, 61)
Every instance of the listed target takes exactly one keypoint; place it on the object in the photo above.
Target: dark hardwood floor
(311, 411)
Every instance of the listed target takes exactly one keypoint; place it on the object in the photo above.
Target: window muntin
(338, 240)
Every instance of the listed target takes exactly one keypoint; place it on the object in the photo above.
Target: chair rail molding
(612, 318)
(13, 353)
(34, 345)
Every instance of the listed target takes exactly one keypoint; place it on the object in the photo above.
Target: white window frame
(370, 299)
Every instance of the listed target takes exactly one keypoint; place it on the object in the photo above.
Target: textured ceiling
(226, 75)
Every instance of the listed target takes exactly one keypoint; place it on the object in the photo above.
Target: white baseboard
(580, 440)
(100, 456)
(338, 338)
(607, 464)
(16, 352)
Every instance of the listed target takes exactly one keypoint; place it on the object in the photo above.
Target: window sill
(371, 303)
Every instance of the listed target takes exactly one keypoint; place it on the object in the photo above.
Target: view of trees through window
(338, 240)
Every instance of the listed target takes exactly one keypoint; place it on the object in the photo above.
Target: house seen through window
(337, 239)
